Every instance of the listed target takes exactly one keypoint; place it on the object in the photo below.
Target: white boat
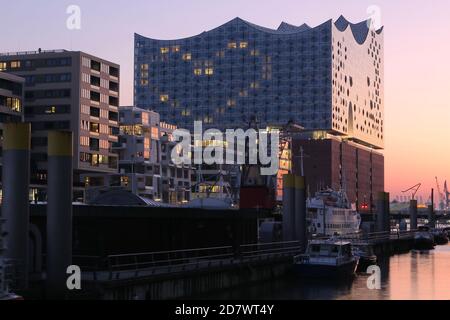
(331, 214)
(327, 259)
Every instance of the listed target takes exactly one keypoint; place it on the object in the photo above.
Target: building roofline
(360, 30)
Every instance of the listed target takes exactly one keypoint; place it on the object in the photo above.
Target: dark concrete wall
(101, 231)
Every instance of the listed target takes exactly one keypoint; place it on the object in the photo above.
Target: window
(95, 96)
(164, 50)
(95, 81)
(15, 64)
(95, 65)
(114, 72)
(94, 144)
(187, 57)
(95, 112)
(164, 98)
(198, 72)
(243, 45)
(2, 66)
(113, 116)
(176, 49)
(209, 71)
(232, 45)
(94, 127)
(113, 101)
(114, 86)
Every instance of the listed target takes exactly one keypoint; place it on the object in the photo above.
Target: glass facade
(238, 71)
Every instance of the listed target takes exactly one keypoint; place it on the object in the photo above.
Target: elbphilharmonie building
(328, 79)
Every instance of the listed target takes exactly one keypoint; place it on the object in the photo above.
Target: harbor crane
(442, 203)
(415, 189)
(447, 196)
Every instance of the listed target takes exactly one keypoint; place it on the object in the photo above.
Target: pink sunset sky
(417, 56)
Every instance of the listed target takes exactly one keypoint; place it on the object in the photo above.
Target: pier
(186, 273)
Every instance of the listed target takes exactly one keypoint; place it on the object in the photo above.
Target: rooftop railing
(22, 53)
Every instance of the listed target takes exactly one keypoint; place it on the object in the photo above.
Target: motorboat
(366, 256)
(424, 239)
(327, 259)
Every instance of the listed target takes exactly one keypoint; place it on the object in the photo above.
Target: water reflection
(411, 276)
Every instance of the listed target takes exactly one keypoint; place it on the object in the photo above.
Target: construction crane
(441, 195)
(415, 189)
(447, 196)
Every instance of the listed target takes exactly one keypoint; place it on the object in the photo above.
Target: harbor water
(411, 276)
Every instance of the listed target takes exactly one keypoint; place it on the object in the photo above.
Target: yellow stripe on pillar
(289, 181)
(60, 144)
(299, 183)
(16, 136)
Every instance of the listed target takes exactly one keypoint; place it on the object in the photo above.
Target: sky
(417, 64)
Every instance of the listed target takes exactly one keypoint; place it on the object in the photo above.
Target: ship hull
(317, 271)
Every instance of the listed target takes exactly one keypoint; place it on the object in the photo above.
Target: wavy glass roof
(360, 30)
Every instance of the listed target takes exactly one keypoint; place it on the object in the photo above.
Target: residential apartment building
(11, 102)
(73, 91)
(145, 166)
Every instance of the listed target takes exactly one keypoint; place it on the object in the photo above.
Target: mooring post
(289, 207)
(16, 202)
(59, 211)
(413, 215)
(300, 212)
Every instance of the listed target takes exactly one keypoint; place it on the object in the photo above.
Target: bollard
(59, 212)
(289, 207)
(300, 212)
(15, 206)
(413, 215)
(431, 217)
(383, 213)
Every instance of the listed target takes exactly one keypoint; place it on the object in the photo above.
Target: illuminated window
(198, 72)
(144, 66)
(14, 104)
(15, 64)
(186, 113)
(231, 103)
(155, 133)
(164, 98)
(164, 50)
(144, 82)
(176, 49)
(51, 110)
(2, 66)
(243, 45)
(254, 85)
(209, 71)
(232, 45)
(187, 57)
(220, 54)
(254, 52)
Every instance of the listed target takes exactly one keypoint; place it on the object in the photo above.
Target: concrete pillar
(59, 212)
(300, 212)
(289, 207)
(413, 214)
(383, 213)
(15, 206)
